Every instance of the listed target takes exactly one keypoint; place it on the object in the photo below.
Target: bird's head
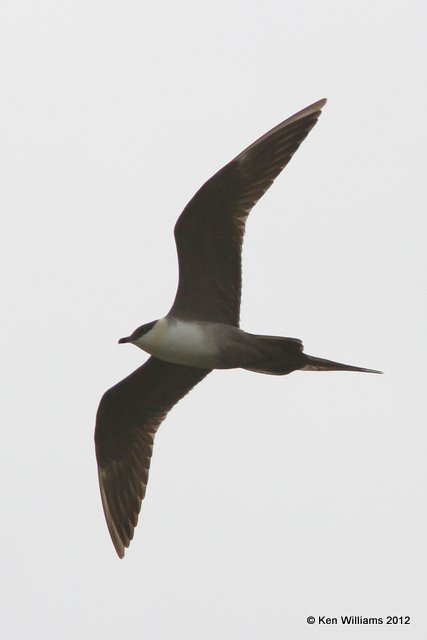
(139, 333)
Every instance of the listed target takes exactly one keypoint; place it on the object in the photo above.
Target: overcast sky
(270, 498)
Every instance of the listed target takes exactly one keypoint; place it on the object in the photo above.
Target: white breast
(181, 342)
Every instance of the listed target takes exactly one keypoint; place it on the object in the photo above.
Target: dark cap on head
(138, 332)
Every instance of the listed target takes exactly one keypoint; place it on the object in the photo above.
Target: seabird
(201, 331)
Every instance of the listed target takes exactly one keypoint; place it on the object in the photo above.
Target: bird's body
(216, 345)
(201, 331)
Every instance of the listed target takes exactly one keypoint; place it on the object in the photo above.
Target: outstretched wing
(209, 232)
(128, 417)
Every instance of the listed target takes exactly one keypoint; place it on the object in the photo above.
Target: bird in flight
(201, 331)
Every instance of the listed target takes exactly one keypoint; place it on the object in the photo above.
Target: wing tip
(120, 543)
(312, 109)
(120, 550)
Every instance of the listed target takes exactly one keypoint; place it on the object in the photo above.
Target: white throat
(182, 342)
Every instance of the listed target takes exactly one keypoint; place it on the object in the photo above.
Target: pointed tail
(320, 364)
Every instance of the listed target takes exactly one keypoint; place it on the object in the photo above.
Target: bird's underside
(209, 235)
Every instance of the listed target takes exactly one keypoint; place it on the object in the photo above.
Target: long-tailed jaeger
(201, 331)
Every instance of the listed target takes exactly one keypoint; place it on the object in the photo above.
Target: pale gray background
(270, 499)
